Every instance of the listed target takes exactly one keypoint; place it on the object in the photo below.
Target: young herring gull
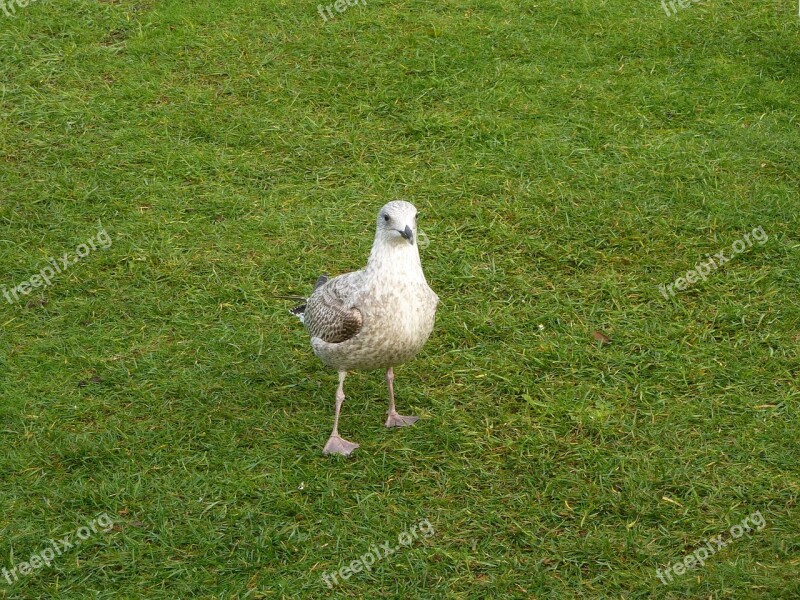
(375, 318)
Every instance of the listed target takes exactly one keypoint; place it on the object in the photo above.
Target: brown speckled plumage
(326, 315)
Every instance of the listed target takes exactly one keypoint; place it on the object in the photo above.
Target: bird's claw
(395, 420)
(338, 445)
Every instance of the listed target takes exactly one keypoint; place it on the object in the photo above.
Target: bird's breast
(405, 313)
(397, 321)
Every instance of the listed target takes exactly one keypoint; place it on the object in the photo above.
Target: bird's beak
(408, 234)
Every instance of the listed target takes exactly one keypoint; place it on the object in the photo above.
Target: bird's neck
(392, 259)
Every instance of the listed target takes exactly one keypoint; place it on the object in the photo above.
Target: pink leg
(395, 420)
(336, 444)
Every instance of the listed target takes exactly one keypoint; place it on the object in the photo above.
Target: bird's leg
(336, 444)
(395, 420)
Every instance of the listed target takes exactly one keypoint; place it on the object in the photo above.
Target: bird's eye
(386, 218)
(415, 216)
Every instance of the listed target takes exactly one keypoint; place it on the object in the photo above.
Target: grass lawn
(581, 426)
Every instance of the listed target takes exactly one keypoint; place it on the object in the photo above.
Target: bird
(376, 318)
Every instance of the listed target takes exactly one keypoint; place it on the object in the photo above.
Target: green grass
(567, 158)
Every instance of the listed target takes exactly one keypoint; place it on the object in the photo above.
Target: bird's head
(397, 223)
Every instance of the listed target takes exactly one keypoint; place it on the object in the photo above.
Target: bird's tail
(300, 310)
(297, 311)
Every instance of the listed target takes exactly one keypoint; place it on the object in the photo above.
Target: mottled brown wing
(327, 316)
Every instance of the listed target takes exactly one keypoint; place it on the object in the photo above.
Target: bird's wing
(329, 314)
(323, 279)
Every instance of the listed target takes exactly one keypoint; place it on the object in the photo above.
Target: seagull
(375, 318)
